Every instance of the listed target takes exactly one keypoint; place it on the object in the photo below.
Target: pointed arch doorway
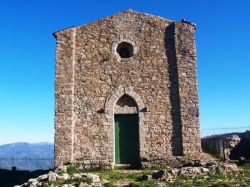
(126, 131)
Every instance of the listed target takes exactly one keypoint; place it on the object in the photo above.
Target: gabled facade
(126, 92)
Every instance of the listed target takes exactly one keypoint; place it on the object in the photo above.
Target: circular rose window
(125, 50)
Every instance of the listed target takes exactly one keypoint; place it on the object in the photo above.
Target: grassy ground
(136, 178)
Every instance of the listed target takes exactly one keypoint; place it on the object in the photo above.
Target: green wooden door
(126, 139)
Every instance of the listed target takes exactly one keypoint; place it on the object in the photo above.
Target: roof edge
(125, 11)
(188, 22)
(67, 28)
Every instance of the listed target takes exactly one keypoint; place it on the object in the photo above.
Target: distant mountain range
(27, 156)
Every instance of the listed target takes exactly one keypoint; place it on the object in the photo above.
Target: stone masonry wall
(160, 77)
(64, 97)
(188, 88)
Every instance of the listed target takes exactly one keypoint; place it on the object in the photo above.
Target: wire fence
(30, 164)
(227, 143)
(217, 131)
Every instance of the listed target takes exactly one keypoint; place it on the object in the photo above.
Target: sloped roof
(129, 11)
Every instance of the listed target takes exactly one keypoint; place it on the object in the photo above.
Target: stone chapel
(126, 92)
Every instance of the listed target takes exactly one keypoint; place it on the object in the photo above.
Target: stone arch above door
(117, 94)
(110, 112)
(126, 105)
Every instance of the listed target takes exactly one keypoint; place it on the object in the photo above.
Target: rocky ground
(65, 179)
(192, 173)
(197, 168)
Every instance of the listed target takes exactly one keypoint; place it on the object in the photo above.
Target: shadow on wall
(217, 145)
(177, 143)
(243, 148)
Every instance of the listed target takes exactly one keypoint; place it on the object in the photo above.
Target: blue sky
(27, 58)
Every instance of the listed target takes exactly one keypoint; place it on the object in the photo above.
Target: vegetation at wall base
(137, 179)
(131, 178)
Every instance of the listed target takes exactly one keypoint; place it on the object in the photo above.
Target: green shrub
(81, 159)
(132, 184)
(71, 170)
(109, 184)
(221, 185)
